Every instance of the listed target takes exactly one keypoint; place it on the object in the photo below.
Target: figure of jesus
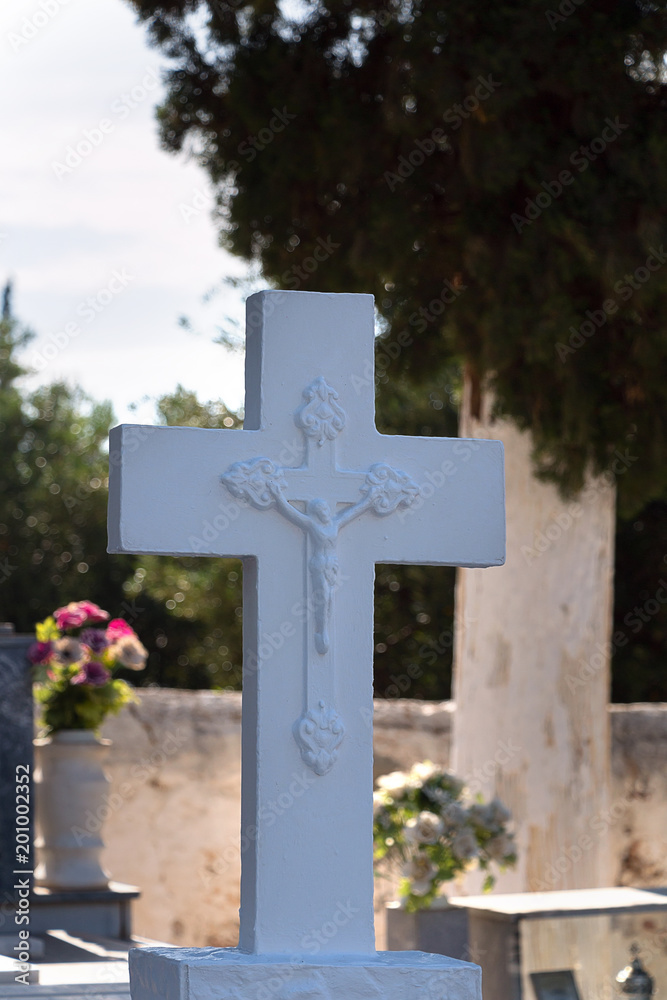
(322, 528)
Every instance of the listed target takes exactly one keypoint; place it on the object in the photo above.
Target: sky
(107, 238)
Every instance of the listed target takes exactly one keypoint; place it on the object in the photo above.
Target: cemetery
(211, 800)
(332, 643)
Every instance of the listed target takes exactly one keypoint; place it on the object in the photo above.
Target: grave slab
(311, 496)
(513, 935)
(16, 763)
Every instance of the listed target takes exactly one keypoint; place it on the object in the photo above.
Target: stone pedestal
(229, 974)
(102, 912)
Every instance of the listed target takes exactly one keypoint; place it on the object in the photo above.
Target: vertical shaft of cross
(306, 883)
(306, 837)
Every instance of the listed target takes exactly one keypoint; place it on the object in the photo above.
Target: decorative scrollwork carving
(253, 481)
(386, 489)
(319, 733)
(320, 416)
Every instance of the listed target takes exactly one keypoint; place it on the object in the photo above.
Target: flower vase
(71, 788)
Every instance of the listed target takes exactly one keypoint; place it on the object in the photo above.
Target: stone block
(229, 974)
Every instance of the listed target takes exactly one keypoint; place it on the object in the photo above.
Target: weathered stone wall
(174, 805)
(638, 825)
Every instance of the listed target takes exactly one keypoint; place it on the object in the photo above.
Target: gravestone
(16, 761)
(105, 912)
(310, 495)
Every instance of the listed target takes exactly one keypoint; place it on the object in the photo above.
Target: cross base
(229, 974)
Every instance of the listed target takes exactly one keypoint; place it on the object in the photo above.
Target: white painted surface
(10, 969)
(306, 873)
(193, 974)
(532, 675)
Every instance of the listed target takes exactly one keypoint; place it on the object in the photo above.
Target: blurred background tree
(53, 535)
(424, 145)
(52, 496)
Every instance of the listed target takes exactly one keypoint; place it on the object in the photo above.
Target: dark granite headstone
(16, 735)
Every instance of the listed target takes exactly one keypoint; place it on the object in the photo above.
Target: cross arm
(165, 493)
(458, 519)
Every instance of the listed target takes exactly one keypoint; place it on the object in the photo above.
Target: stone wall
(174, 805)
(638, 821)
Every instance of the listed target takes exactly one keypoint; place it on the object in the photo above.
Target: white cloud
(117, 209)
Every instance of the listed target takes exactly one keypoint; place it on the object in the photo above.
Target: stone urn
(71, 792)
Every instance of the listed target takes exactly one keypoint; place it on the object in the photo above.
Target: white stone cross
(311, 496)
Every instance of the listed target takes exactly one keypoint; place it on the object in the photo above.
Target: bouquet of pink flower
(76, 653)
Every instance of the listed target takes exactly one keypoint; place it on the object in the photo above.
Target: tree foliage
(493, 173)
(198, 600)
(639, 635)
(411, 139)
(53, 470)
(53, 533)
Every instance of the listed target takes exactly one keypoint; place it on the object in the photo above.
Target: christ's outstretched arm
(287, 510)
(349, 513)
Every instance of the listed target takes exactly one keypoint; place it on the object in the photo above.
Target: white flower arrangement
(427, 824)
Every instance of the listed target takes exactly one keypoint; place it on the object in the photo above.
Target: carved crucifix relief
(264, 485)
